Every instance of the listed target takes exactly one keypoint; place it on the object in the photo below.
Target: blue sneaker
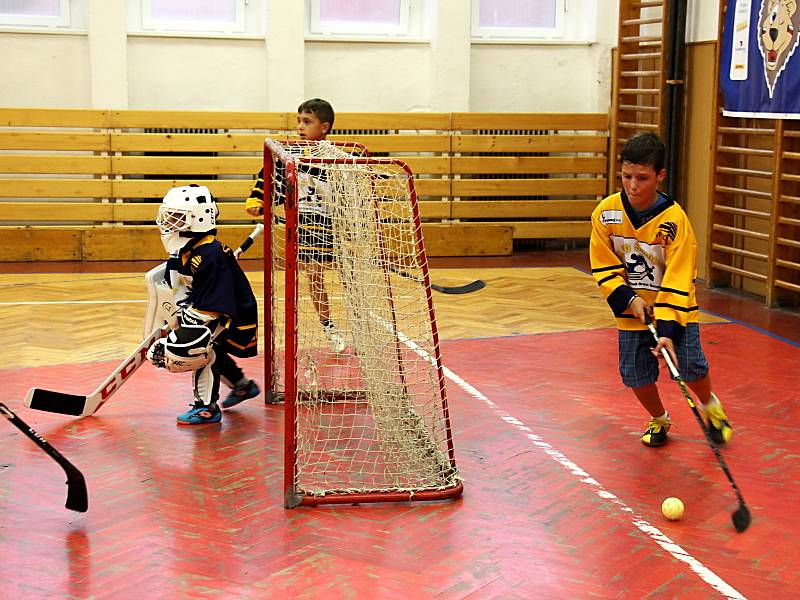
(200, 414)
(241, 393)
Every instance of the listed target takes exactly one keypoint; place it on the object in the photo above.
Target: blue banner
(759, 59)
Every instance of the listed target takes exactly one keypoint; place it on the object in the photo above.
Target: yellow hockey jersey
(652, 255)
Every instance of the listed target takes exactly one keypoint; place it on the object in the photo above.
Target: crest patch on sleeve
(610, 217)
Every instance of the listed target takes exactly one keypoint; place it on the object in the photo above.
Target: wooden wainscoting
(85, 184)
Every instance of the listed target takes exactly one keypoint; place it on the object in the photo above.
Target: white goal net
(352, 340)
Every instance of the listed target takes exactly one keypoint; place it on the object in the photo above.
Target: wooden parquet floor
(561, 500)
(98, 316)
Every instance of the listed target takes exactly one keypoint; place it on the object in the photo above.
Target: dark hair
(644, 149)
(319, 108)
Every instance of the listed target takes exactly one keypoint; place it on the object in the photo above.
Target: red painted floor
(561, 500)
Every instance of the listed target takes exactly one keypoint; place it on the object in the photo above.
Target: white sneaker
(336, 339)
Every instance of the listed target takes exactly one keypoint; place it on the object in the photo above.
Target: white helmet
(185, 210)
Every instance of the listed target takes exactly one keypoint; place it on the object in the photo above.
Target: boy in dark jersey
(643, 253)
(315, 237)
(219, 315)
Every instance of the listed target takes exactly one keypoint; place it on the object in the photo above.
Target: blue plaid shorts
(639, 367)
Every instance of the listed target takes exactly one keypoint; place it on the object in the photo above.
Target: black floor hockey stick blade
(77, 496)
(741, 518)
(476, 285)
(468, 288)
(55, 402)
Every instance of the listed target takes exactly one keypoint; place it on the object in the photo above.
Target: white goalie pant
(206, 381)
(192, 347)
(220, 367)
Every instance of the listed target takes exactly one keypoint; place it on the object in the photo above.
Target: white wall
(354, 76)
(191, 73)
(702, 18)
(105, 67)
(45, 70)
(540, 79)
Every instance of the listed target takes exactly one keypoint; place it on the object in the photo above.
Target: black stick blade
(468, 288)
(77, 496)
(55, 402)
(741, 518)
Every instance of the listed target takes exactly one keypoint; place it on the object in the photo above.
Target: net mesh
(372, 417)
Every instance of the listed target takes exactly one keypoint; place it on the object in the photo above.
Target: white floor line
(705, 574)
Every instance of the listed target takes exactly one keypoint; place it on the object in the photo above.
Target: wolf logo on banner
(759, 66)
(779, 32)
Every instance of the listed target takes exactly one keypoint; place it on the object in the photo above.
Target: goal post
(366, 414)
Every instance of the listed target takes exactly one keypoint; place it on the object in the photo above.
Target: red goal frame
(292, 496)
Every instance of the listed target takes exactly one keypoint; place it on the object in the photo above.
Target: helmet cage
(171, 219)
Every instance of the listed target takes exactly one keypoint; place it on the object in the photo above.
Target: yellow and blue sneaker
(718, 424)
(656, 433)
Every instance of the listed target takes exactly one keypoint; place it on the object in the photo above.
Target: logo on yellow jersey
(666, 233)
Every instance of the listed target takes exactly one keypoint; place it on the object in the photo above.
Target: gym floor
(560, 500)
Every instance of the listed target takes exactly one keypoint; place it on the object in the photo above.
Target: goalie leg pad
(158, 294)
(188, 348)
(163, 301)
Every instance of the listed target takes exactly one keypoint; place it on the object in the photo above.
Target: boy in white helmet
(218, 316)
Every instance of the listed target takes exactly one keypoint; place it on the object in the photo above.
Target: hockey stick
(741, 516)
(77, 497)
(245, 245)
(82, 406)
(467, 288)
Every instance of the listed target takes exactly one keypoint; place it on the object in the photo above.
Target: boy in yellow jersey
(643, 253)
(315, 237)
